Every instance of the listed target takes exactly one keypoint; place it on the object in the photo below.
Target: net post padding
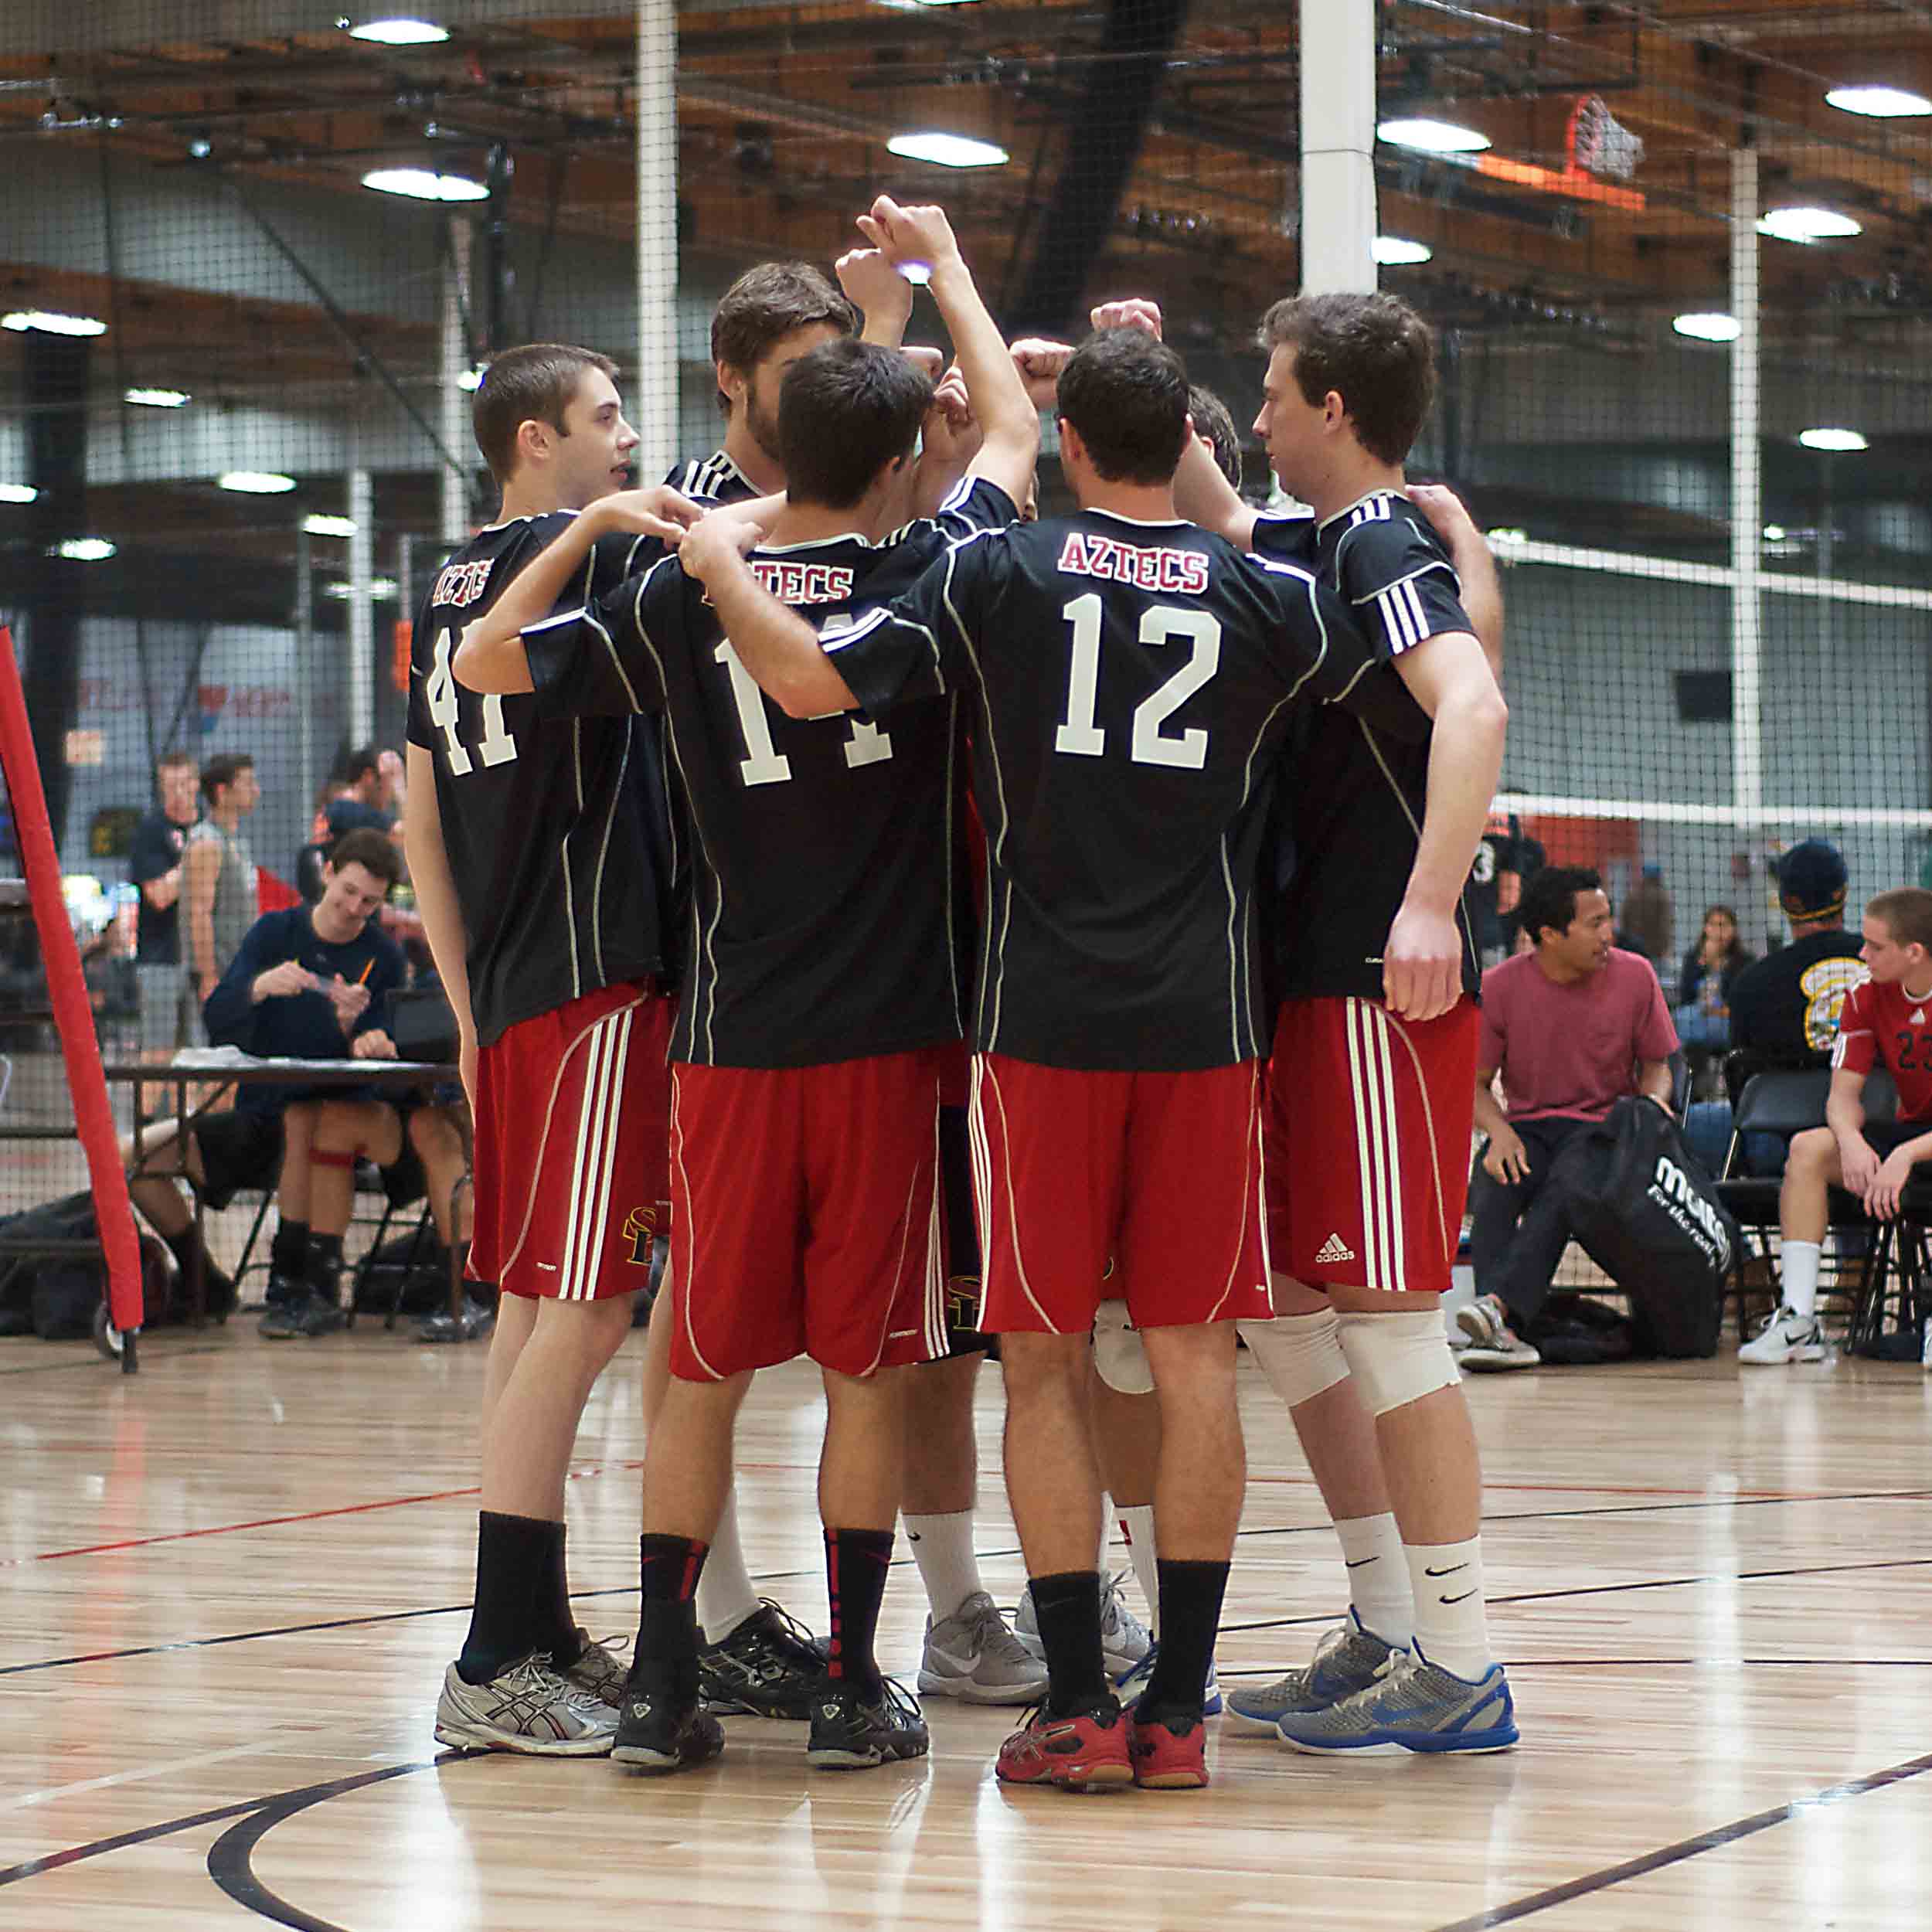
(67, 994)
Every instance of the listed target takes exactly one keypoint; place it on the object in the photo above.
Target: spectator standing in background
(218, 871)
(355, 799)
(167, 1015)
(1573, 1027)
(1646, 918)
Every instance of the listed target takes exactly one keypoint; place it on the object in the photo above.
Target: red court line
(272, 1522)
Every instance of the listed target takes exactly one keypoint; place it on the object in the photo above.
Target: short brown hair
(764, 305)
(374, 852)
(532, 384)
(846, 410)
(1214, 424)
(1128, 395)
(170, 760)
(1374, 352)
(1907, 913)
(219, 774)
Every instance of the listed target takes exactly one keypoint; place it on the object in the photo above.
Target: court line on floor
(1689, 1847)
(143, 1835)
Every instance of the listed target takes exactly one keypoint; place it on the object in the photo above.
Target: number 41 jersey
(557, 833)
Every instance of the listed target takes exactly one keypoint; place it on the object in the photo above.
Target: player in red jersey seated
(1887, 1022)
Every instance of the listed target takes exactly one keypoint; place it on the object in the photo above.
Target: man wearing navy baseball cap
(1786, 1007)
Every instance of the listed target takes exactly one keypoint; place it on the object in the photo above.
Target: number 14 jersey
(1128, 684)
(558, 836)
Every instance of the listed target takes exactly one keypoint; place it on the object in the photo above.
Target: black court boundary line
(95, 1359)
(1713, 1840)
(293, 1800)
(1276, 1622)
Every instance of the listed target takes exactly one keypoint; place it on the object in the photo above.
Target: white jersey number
(496, 747)
(1081, 736)
(767, 765)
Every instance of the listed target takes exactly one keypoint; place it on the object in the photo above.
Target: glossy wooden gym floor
(229, 1586)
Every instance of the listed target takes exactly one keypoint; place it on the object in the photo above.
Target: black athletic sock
(668, 1567)
(1191, 1594)
(184, 1247)
(857, 1562)
(1067, 1608)
(324, 1267)
(565, 1645)
(288, 1252)
(505, 1623)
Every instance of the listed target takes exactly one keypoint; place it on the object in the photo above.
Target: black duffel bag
(1648, 1214)
(54, 1296)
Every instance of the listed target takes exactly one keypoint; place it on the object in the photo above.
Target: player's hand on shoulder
(715, 542)
(1422, 963)
(1136, 312)
(874, 287)
(1039, 362)
(1446, 512)
(659, 512)
(919, 233)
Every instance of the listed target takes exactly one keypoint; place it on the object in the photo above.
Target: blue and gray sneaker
(1414, 1706)
(1129, 1684)
(1348, 1659)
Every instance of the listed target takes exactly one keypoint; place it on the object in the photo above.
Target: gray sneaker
(1413, 1705)
(1124, 1639)
(973, 1656)
(1489, 1342)
(527, 1707)
(600, 1669)
(1347, 1660)
(1787, 1336)
(314, 1314)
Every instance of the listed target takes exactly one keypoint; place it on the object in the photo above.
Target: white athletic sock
(949, 1568)
(725, 1596)
(1377, 1578)
(1799, 1268)
(1451, 1629)
(1137, 1525)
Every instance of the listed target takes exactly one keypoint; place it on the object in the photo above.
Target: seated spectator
(1886, 1022)
(1785, 1006)
(1704, 983)
(1646, 916)
(1572, 1026)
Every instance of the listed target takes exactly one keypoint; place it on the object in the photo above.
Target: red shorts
(1369, 1140)
(1155, 1175)
(573, 1114)
(806, 1219)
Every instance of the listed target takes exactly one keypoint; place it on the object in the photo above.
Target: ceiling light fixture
(1433, 137)
(947, 151)
(157, 398)
(1832, 439)
(320, 525)
(257, 482)
(50, 322)
(1392, 251)
(1881, 104)
(421, 184)
(85, 549)
(1708, 327)
(398, 32)
(1808, 224)
(18, 493)
(381, 589)
(471, 379)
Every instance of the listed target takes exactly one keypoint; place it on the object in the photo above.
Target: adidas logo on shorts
(1333, 1250)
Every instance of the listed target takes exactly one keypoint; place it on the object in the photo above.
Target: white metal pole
(454, 514)
(654, 407)
(1747, 506)
(1338, 146)
(361, 614)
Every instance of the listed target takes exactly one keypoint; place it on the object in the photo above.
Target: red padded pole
(93, 1119)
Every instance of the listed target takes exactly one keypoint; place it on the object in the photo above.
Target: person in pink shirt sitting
(1573, 1026)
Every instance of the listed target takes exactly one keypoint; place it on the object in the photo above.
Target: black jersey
(822, 905)
(556, 833)
(1354, 810)
(1130, 683)
(1786, 1005)
(714, 478)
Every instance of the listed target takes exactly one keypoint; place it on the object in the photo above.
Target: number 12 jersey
(1129, 684)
